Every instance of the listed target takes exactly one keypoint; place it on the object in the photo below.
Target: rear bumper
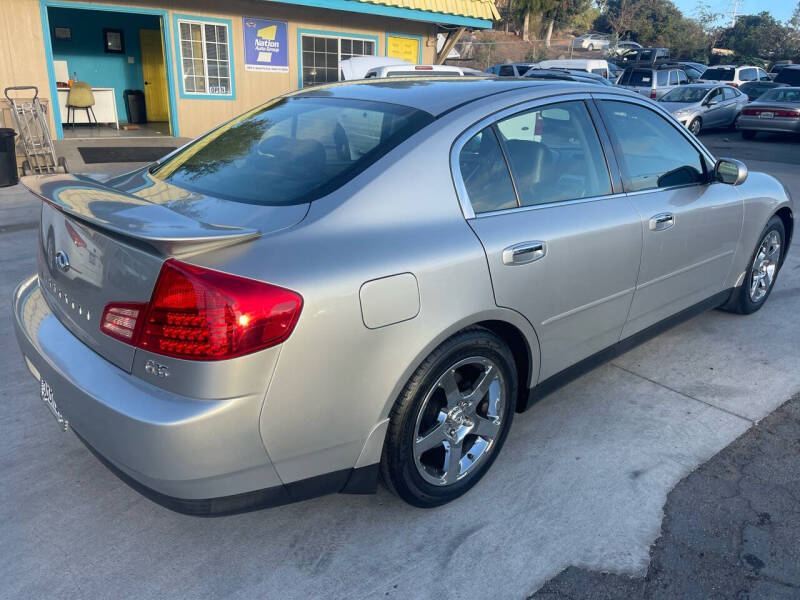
(194, 456)
(758, 124)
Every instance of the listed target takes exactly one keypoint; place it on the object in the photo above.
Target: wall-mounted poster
(403, 47)
(266, 45)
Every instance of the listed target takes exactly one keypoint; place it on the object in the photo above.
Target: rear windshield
(719, 74)
(292, 150)
(684, 94)
(640, 77)
(782, 95)
(790, 76)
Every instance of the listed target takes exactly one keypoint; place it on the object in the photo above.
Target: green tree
(760, 36)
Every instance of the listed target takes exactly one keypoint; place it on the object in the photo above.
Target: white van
(596, 66)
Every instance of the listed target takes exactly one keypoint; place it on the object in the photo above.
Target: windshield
(291, 150)
(719, 74)
(781, 95)
(684, 94)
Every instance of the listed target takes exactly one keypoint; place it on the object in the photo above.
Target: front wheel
(764, 266)
(451, 420)
(695, 126)
(590, 48)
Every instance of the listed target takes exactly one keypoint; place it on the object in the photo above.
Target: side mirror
(712, 102)
(730, 171)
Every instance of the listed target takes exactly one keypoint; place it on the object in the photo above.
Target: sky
(780, 9)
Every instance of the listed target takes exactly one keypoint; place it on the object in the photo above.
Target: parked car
(652, 82)
(777, 110)
(357, 67)
(285, 312)
(596, 66)
(591, 42)
(778, 67)
(733, 75)
(693, 70)
(410, 70)
(754, 89)
(567, 75)
(789, 75)
(704, 105)
(623, 47)
(510, 69)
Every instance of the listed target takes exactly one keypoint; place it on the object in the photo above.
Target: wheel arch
(523, 357)
(787, 218)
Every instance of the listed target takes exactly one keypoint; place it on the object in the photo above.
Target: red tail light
(200, 314)
(76, 237)
(653, 94)
(778, 112)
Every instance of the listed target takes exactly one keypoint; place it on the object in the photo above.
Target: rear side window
(485, 173)
(748, 75)
(653, 153)
(714, 74)
(292, 150)
(554, 154)
(729, 92)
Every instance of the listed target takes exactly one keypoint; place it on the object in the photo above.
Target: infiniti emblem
(62, 261)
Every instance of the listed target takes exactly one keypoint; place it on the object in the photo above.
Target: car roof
(439, 95)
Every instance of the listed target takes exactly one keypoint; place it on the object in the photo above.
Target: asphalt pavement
(581, 484)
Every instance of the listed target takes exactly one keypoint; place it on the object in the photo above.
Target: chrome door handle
(526, 252)
(662, 221)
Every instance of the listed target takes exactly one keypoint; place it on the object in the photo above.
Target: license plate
(49, 398)
(766, 115)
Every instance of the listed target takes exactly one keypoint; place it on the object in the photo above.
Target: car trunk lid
(106, 242)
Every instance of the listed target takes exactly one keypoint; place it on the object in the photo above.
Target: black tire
(742, 302)
(748, 135)
(399, 468)
(590, 48)
(695, 126)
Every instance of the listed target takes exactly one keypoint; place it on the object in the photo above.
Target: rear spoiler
(130, 217)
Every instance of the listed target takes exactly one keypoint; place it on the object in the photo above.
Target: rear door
(690, 225)
(563, 248)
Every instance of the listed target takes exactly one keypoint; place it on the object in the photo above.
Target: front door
(563, 250)
(690, 226)
(154, 74)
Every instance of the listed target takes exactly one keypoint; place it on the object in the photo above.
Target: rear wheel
(696, 125)
(748, 135)
(764, 266)
(590, 48)
(451, 420)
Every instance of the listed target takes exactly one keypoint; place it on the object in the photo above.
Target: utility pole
(733, 11)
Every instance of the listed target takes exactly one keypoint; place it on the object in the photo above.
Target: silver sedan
(704, 105)
(776, 111)
(372, 278)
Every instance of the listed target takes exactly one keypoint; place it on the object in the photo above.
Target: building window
(322, 56)
(205, 62)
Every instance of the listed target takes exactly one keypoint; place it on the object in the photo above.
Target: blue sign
(266, 45)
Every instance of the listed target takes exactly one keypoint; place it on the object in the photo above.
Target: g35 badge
(151, 367)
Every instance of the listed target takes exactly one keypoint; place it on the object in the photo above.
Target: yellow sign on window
(403, 48)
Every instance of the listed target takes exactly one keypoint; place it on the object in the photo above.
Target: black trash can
(8, 157)
(135, 107)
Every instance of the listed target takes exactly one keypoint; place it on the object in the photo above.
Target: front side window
(322, 56)
(682, 77)
(653, 153)
(205, 61)
(762, 74)
(554, 154)
(292, 150)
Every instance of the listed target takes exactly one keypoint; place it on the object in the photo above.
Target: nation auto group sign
(266, 45)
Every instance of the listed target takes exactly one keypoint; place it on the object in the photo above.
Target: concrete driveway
(581, 481)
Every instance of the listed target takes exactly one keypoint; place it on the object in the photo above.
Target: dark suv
(790, 75)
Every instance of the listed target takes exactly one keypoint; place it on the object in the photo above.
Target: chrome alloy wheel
(459, 421)
(762, 273)
(695, 126)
